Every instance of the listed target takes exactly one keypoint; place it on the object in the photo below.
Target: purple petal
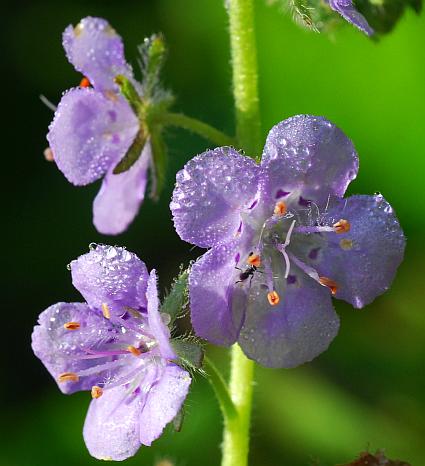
(364, 260)
(211, 191)
(158, 329)
(113, 276)
(60, 350)
(308, 155)
(97, 51)
(120, 196)
(348, 11)
(111, 429)
(217, 305)
(90, 133)
(163, 402)
(294, 331)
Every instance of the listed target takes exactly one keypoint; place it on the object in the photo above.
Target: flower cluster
(116, 345)
(283, 241)
(94, 126)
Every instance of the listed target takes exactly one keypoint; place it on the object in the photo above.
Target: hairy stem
(236, 428)
(248, 128)
(245, 75)
(198, 127)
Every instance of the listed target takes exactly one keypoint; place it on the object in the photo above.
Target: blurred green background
(368, 389)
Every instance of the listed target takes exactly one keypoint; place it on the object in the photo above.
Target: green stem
(198, 127)
(245, 75)
(248, 129)
(236, 429)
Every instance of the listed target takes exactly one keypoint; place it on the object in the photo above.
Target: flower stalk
(248, 129)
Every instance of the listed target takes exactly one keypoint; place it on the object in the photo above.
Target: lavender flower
(118, 346)
(348, 11)
(94, 127)
(283, 241)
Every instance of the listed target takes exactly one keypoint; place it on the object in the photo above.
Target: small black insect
(247, 273)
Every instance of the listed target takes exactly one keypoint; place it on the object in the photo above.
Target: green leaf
(190, 352)
(178, 420)
(177, 300)
(132, 155)
(128, 90)
(153, 52)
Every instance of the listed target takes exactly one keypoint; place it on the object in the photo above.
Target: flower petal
(90, 133)
(163, 402)
(158, 329)
(120, 196)
(309, 155)
(348, 11)
(211, 191)
(364, 260)
(111, 429)
(60, 350)
(217, 305)
(294, 331)
(97, 51)
(113, 276)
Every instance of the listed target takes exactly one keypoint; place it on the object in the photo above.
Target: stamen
(85, 82)
(68, 377)
(282, 249)
(273, 298)
(96, 391)
(105, 311)
(342, 226)
(331, 284)
(280, 208)
(133, 350)
(254, 259)
(71, 325)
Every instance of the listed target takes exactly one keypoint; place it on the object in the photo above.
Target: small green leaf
(178, 420)
(190, 353)
(128, 90)
(177, 300)
(132, 155)
(152, 52)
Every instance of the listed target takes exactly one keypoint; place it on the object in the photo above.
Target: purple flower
(94, 127)
(348, 11)
(118, 346)
(283, 241)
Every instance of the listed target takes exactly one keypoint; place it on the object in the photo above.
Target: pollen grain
(96, 391)
(71, 325)
(273, 298)
(341, 226)
(68, 377)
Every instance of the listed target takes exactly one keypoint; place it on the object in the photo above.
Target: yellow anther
(133, 350)
(105, 311)
(72, 326)
(96, 391)
(273, 298)
(254, 259)
(346, 244)
(341, 226)
(68, 377)
(280, 208)
(331, 284)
